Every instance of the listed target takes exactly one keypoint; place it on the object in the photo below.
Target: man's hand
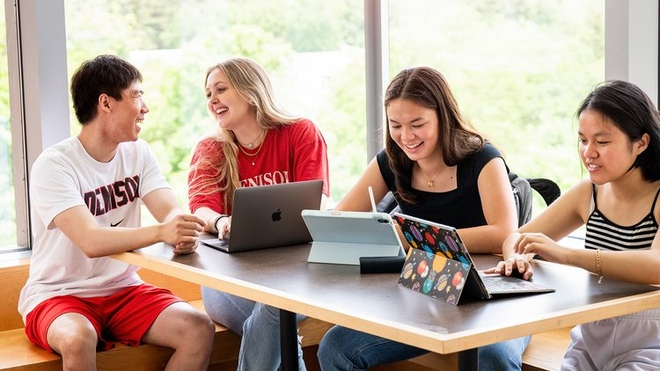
(182, 232)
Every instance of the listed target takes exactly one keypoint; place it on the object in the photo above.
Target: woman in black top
(440, 169)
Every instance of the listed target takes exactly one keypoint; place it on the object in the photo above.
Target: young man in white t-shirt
(85, 194)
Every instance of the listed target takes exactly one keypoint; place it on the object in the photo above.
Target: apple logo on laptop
(277, 216)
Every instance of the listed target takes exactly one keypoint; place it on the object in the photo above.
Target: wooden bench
(544, 353)
(18, 353)
(546, 350)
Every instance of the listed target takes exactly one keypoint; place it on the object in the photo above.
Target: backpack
(522, 195)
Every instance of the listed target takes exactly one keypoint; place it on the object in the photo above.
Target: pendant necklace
(431, 180)
(253, 156)
(250, 145)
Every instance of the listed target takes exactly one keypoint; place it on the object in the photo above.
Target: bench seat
(18, 353)
(544, 353)
(546, 350)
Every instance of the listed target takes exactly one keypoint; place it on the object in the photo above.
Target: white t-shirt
(65, 176)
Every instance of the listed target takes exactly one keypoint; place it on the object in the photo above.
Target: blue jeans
(256, 323)
(343, 349)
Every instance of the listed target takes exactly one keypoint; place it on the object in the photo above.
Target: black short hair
(633, 112)
(105, 74)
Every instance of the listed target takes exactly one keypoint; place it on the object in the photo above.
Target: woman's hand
(516, 265)
(224, 227)
(542, 245)
(526, 246)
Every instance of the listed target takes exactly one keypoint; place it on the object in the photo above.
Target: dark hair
(105, 74)
(458, 139)
(634, 113)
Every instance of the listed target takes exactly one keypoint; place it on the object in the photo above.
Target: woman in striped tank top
(619, 144)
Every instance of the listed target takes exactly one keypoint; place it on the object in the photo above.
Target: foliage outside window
(518, 69)
(312, 50)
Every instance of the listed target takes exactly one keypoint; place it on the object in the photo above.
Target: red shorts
(122, 317)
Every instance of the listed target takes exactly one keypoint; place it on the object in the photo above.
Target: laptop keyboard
(501, 285)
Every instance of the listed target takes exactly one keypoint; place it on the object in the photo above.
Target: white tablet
(343, 237)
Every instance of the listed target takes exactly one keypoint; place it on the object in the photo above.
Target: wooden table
(374, 303)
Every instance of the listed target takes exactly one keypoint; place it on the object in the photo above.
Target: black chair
(548, 189)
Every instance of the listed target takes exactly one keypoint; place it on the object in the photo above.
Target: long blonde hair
(252, 84)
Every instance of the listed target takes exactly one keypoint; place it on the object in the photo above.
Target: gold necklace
(253, 154)
(251, 144)
(431, 180)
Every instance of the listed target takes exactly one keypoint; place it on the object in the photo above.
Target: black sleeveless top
(461, 207)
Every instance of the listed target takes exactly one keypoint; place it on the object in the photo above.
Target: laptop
(269, 216)
(343, 237)
(439, 265)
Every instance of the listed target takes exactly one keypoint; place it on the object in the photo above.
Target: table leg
(288, 340)
(468, 360)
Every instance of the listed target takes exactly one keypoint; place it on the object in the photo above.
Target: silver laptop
(436, 238)
(269, 216)
(343, 237)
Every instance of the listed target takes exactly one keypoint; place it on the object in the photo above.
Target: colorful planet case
(434, 275)
(434, 267)
(439, 265)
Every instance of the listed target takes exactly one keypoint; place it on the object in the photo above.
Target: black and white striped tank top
(603, 234)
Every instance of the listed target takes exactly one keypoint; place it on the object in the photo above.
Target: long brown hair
(458, 139)
(252, 83)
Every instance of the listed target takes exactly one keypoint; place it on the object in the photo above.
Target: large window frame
(39, 106)
(36, 52)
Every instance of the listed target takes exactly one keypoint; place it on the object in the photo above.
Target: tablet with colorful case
(439, 265)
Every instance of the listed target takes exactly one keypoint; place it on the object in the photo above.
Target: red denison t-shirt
(289, 153)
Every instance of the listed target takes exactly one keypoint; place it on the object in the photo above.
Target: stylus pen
(373, 202)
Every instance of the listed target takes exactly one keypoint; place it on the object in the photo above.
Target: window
(8, 239)
(312, 50)
(519, 70)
